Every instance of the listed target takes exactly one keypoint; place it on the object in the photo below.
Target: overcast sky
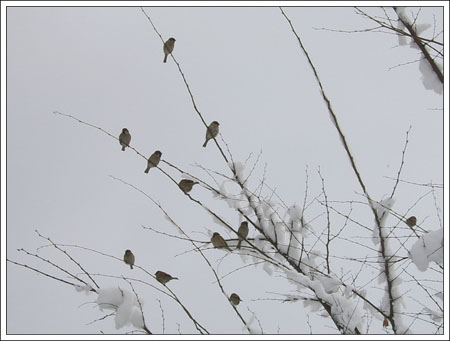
(245, 69)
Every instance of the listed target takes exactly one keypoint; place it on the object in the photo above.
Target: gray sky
(245, 69)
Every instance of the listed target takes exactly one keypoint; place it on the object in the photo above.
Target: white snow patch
(239, 168)
(312, 305)
(125, 304)
(268, 268)
(330, 285)
(295, 212)
(401, 12)
(429, 78)
(382, 208)
(429, 248)
(420, 28)
(86, 288)
(348, 291)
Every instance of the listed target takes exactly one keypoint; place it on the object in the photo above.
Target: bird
(153, 160)
(411, 221)
(235, 299)
(186, 185)
(168, 48)
(163, 277)
(242, 233)
(128, 258)
(124, 138)
(218, 242)
(212, 131)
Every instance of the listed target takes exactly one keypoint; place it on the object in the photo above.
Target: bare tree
(300, 242)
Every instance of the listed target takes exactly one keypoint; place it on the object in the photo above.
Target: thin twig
(70, 257)
(140, 307)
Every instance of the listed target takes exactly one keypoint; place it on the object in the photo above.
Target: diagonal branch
(421, 46)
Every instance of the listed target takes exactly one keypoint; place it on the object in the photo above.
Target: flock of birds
(186, 186)
(216, 240)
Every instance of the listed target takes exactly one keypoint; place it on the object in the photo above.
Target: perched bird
(235, 299)
(124, 138)
(242, 233)
(218, 242)
(128, 258)
(411, 221)
(163, 277)
(168, 48)
(153, 160)
(186, 185)
(211, 132)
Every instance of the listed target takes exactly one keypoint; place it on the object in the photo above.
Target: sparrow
(211, 132)
(124, 138)
(411, 221)
(153, 160)
(242, 233)
(168, 48)
(186, 185)
(163, 277)
(128, 258)
(235, 299)
(218, 242)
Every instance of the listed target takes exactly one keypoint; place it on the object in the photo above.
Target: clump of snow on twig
(239, 168)
(345, 308)
(86, 288)
(401, 12)
(429, 78)
(382, 208)
(124, 302)
(420, 28)
(429, 248)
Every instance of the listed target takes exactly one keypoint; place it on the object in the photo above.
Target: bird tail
(131, 266)
(146, 171)
(239, 244)
(123, 147)
(165, 59)
(204, 144)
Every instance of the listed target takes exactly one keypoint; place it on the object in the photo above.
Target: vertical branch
(327, 244)
(401, 165)
(333, 116)
(163, 318)
(140, 307)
